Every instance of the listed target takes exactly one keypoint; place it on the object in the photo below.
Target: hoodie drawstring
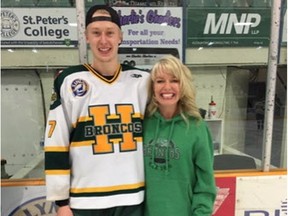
(167, 153)
(168, 147)
(153, 165)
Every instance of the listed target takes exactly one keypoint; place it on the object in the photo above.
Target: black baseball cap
(114, 16)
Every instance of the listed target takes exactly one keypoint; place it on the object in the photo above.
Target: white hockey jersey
(93, 139)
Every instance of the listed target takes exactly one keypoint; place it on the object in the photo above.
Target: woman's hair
(187, 102)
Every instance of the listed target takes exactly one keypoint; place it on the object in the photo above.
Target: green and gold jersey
(93, 139)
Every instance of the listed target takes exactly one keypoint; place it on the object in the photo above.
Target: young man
(93, 141)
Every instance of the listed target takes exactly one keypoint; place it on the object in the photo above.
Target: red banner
(225, 200)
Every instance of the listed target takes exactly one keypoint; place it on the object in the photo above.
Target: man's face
(104, 38)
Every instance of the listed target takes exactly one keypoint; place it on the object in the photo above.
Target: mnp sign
(228, 27)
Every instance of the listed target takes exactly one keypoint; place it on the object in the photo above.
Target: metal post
(271, 83)
(82, 46)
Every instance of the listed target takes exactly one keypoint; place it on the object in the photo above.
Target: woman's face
(166, 90)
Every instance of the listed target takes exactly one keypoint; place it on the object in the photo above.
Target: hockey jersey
(93, 139)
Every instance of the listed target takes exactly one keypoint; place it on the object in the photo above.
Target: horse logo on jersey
(79, 87)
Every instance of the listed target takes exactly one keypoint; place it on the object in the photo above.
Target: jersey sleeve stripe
(57, 161)
(57, 172)
(82, 143)
(84, 119)
(56, 149)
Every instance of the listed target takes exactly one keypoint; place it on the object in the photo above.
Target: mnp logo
(37, 206)
(241, 24)
(226, 27)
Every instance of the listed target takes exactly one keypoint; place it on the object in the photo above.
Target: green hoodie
(178, 167)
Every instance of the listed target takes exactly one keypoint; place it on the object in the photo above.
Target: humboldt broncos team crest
(79, 87)
(161, 152)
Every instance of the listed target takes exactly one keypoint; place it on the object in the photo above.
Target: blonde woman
(178, 151)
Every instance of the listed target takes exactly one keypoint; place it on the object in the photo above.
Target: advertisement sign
(26, 201)
(149, 33)
(236, 196)
(233, 27)
(38, 27)
(262, 196)
(225, 200)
